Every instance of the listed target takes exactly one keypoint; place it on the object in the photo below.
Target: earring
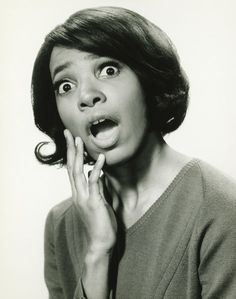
(170, 120)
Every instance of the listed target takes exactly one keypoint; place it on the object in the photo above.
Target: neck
(131, 180)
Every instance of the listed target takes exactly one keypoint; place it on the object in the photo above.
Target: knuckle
(69, 167)
(78, 201)
(73, 174)
(96, 167)
(91, 180)
(76, 172)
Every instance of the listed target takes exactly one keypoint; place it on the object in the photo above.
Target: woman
(107, 86)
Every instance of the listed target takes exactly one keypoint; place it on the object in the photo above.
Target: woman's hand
(96, 214)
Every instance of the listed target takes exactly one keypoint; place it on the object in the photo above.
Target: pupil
(110, 71)
(66, 87)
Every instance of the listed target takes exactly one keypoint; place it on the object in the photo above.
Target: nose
(89, 96)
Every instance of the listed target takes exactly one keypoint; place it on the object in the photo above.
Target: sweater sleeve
(217, 269)
(51, 272)
(79, 292)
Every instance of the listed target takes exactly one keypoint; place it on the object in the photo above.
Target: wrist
(95, 274)
(98, 249)
(95, 255)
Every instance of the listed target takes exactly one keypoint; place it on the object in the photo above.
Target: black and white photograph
(118, 168)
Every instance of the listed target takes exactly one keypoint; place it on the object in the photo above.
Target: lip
(106, 143)
(111, 140)
(98, 116)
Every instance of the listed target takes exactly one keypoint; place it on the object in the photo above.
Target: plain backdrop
(204, 34)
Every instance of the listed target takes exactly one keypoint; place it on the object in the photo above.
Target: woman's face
(100, 100)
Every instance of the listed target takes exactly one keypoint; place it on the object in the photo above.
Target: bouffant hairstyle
(123, 35)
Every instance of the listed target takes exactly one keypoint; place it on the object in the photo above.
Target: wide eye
(109, 71)
(64, 87)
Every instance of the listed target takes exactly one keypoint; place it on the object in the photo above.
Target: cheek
(63, 111)
(135, 128)
(70, 120)
(137, 113)
(136, 101)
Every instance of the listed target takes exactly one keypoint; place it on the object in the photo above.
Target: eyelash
(107, 63)
(57, 84)
(110, 63)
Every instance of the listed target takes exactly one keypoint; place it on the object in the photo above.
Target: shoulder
(218, 187)
(216, 233)
(59, 211)
(217, 212)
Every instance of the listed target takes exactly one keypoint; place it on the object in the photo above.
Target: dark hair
(124, 35)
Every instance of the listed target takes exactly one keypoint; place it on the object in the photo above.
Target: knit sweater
(184, 246)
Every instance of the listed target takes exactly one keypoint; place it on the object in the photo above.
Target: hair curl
(124, 35)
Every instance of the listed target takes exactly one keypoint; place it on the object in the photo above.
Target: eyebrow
(67, 64)
(60, 68)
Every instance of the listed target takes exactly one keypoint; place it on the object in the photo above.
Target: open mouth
(103, 128)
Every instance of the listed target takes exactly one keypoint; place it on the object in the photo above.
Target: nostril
(83, 105)
(89, 102)
(95, 100)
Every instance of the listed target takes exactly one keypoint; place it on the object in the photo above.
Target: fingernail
(76, 141)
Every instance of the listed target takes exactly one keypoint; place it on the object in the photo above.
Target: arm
(98, 219)
(51, 273)
(50, 267)
(217, 270)
(96, 275)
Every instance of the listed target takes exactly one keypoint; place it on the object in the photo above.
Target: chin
(118, 157)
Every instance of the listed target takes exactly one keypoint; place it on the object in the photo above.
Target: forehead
(62, 58)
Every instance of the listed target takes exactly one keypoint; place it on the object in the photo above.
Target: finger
(70, 157)
(79, 157)
(78, 173)
(88, 174)
(70, 149)
(93, 183)
(101, 189)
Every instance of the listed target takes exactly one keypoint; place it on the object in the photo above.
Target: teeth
(98, 121)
